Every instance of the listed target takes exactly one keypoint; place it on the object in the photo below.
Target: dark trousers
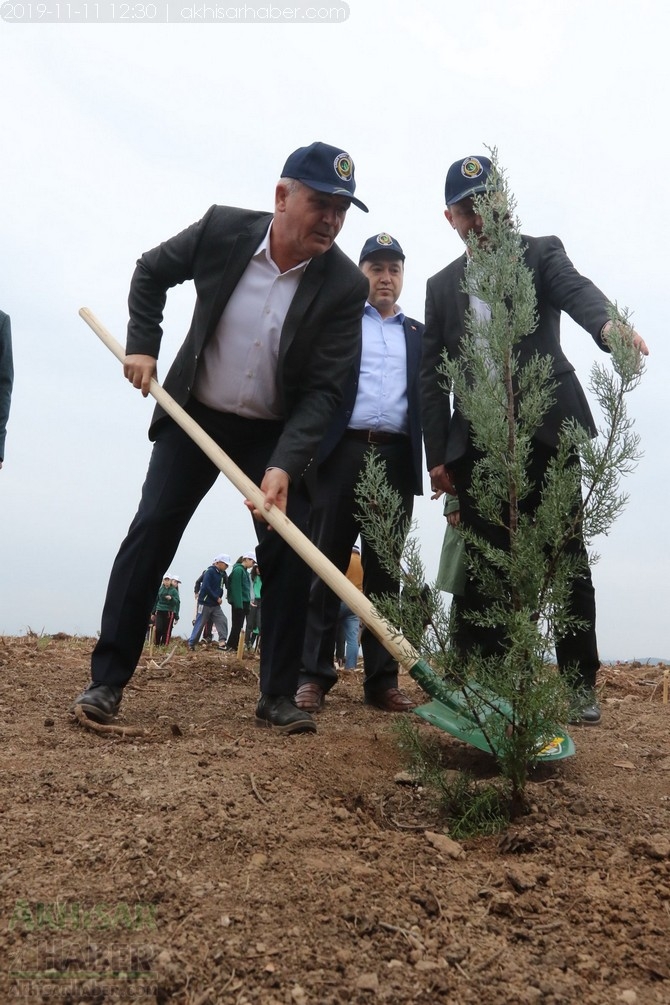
(164, 622)
(334, 528)
(179, 476)
(237, 618)
(575, 652)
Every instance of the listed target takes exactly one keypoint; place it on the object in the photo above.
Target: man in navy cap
(450, 452)
(380, 411)
(275, 331)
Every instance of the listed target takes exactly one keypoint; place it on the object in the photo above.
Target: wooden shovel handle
(392, 640)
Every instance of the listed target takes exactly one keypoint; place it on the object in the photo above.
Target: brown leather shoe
(309, 697)
(392, 700)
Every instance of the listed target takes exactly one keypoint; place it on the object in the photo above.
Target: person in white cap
(166, 610)
(239, 597)
(210, 599)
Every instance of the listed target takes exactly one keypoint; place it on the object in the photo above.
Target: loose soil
(214, 862)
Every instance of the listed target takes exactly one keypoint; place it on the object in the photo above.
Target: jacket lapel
(309, 286)
(413, 343)
(461, 297)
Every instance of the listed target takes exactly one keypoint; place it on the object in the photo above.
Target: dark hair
(238, 561)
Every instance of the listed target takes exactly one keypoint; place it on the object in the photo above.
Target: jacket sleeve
(211, 584)
(567, 290)
(435, 401)
(6, 376)
(171, 263)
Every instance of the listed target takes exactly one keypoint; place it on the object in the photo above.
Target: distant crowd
(242, 588)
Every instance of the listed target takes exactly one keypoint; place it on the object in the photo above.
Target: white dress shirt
(237, 371)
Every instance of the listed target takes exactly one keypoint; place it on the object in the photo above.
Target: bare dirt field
(214, 862)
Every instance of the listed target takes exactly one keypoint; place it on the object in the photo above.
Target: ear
(449, 217)
(281, 195)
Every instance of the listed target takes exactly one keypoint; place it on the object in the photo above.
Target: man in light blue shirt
(380, 411)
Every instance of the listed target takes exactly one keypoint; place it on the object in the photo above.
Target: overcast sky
(117, 136)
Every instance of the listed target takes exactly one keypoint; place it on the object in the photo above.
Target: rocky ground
(213, 862)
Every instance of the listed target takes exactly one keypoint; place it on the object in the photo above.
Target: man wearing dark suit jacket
(275, 330)
(449, 450)
(6, 377)
(380, 411)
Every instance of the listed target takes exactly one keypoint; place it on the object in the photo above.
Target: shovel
(451, 708)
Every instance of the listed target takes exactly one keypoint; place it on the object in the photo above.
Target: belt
(375, 436)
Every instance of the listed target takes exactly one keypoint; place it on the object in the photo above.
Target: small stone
(502, 903)
(48, 722)
(368, 982)
(655, 846)
(445, 845)
(629, 997)
(405, 778)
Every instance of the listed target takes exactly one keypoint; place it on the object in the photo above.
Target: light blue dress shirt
(381, 401)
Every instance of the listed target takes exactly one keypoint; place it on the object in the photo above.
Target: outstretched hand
(631, 336)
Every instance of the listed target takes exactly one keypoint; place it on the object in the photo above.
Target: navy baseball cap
(324, 168)
(466, 177)
(381, 242)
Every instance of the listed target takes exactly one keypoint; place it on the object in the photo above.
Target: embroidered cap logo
(471, 168)
(344, 167)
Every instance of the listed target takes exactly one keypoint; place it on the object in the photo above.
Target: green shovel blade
(452, 711)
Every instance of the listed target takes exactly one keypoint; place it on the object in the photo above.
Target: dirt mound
(214, 862)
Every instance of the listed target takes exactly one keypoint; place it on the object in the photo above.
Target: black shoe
(283, 715)
(587, 711)
(100, 702)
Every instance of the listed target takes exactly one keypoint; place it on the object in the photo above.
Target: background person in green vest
(239, 597)
(167, 610)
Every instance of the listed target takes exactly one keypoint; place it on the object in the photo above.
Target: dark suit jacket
(319, 340)
(559, 287)
(6, 377)
(413, 333)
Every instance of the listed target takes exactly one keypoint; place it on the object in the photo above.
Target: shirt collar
(372, 312)
(263, 251)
